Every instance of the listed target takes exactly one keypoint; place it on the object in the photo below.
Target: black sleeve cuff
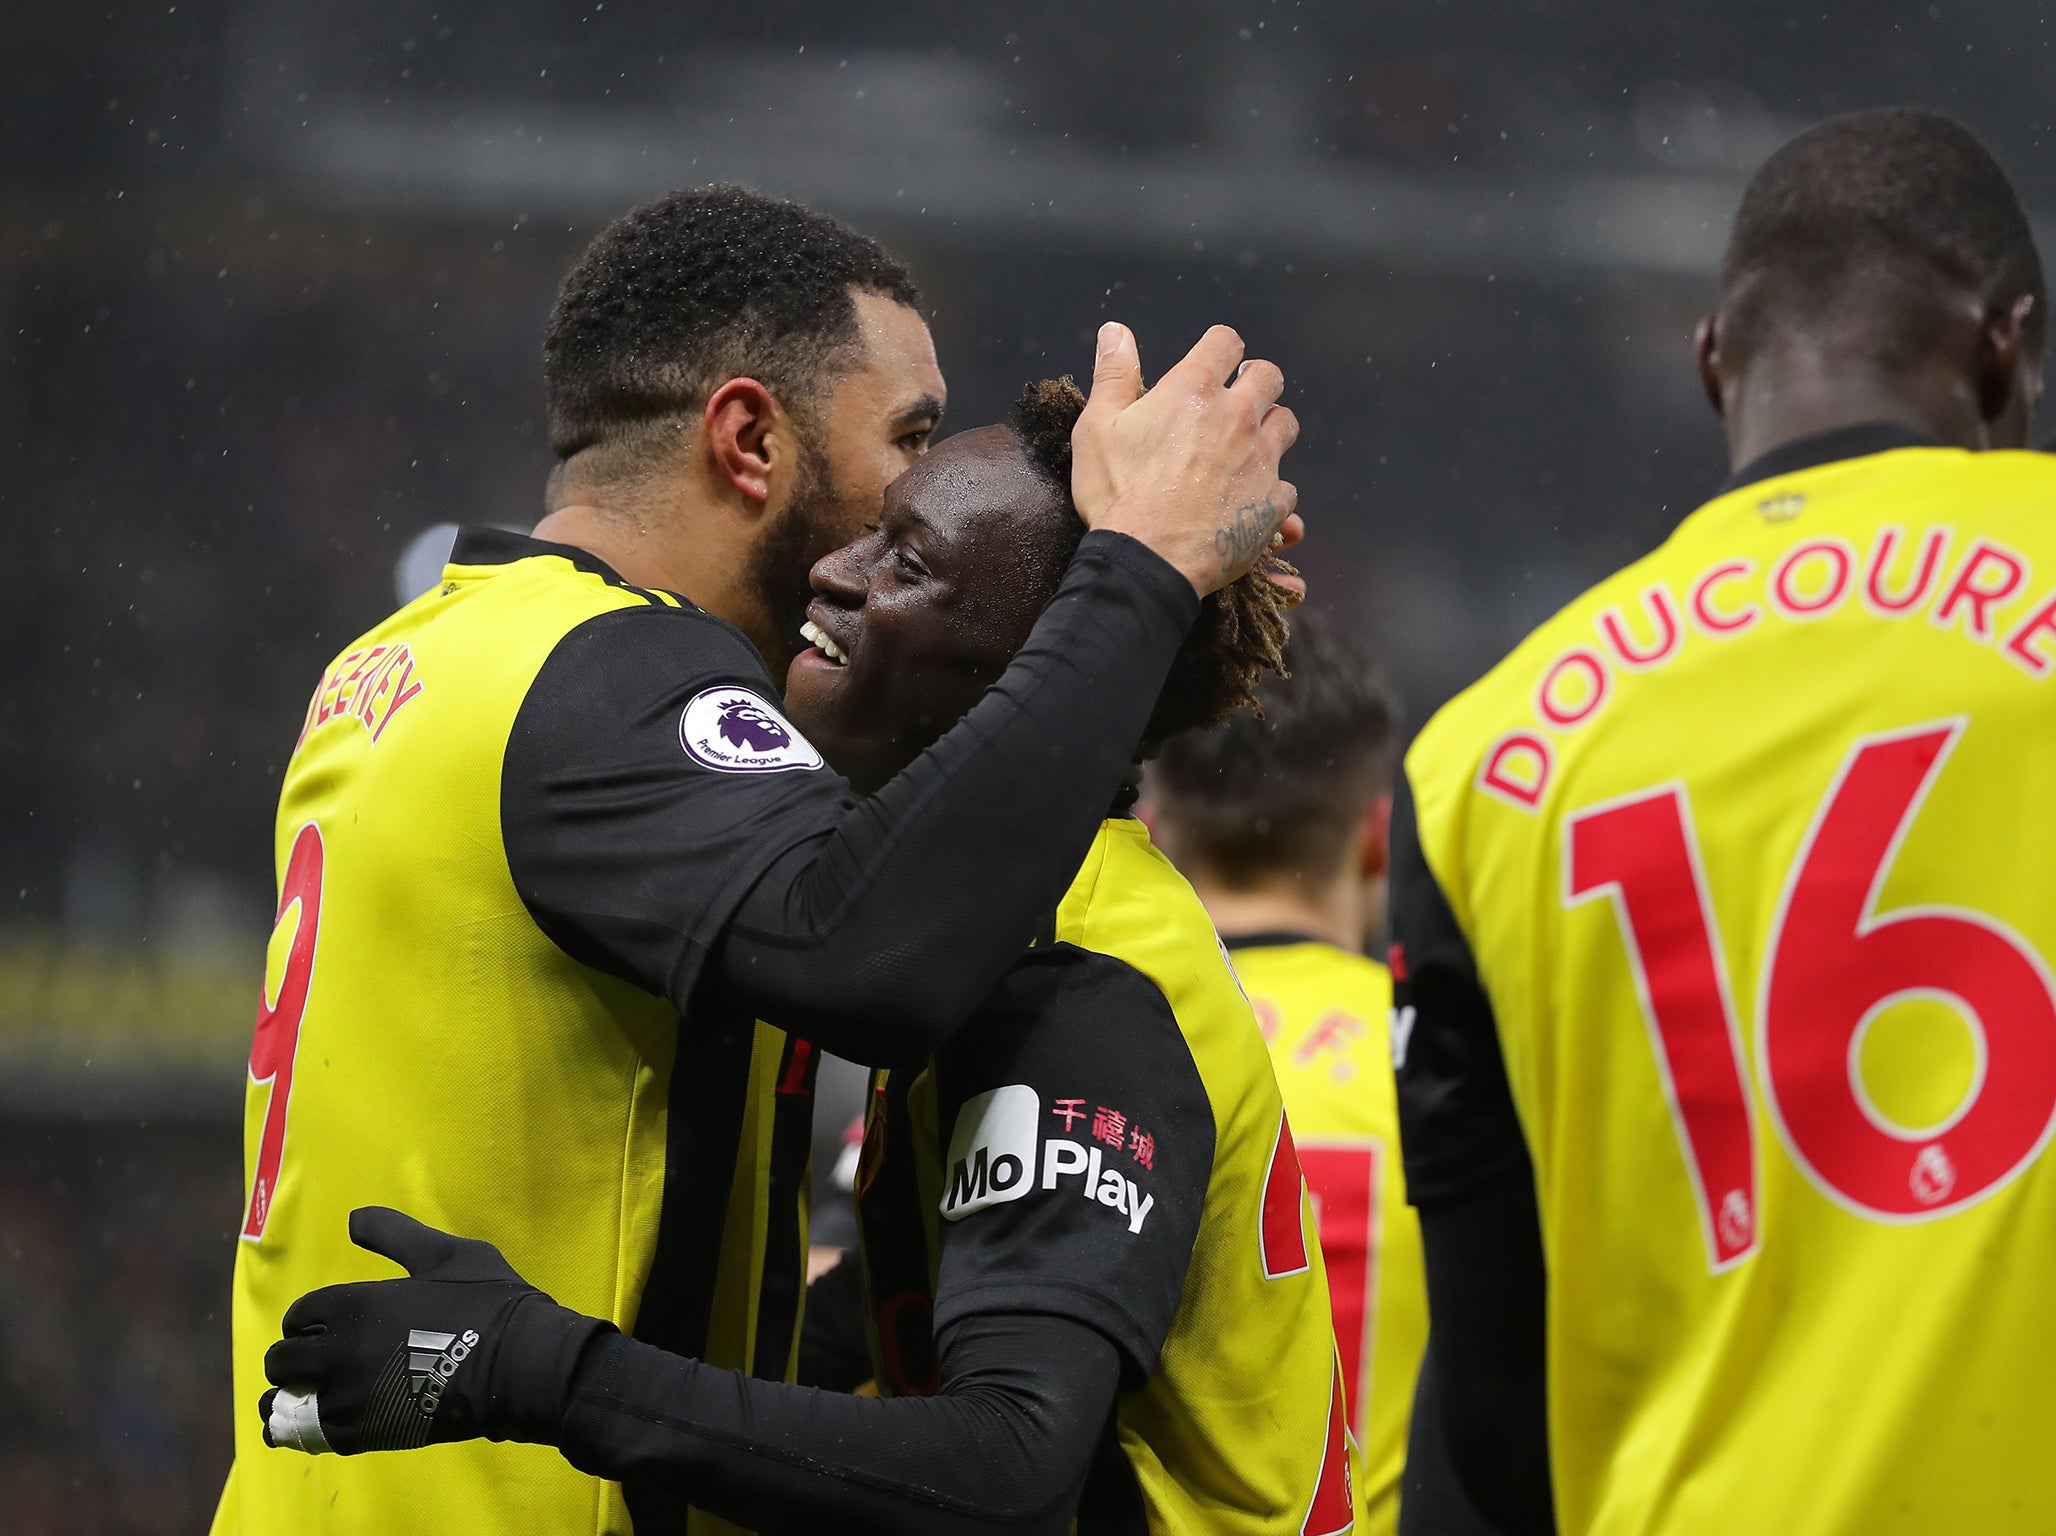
(1149, 570)
(536, 1368)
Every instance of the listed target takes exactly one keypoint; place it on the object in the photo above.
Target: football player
(548, 848)
(1280, 823)
(1091, 1264)
(1726, 1024)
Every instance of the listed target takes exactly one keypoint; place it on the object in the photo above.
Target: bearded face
(820, 517)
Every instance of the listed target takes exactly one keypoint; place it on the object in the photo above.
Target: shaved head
(1874, 227)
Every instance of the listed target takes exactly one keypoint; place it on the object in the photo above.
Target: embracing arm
(464, 1348)
(1003, 1446)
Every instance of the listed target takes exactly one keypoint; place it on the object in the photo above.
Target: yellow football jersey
(1746, 845)
(425, 1042)
(1324, 1012)
(1105, 1141)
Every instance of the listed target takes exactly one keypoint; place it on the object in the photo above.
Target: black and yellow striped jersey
(1105, 1142)
(518, 812)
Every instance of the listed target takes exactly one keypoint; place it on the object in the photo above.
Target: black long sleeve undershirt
(1487, 1296)
(1469, 1174)
(876, 938)
(1004, 1447)
(1433, 1499)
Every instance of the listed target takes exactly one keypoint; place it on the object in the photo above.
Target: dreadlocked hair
(1239, 635)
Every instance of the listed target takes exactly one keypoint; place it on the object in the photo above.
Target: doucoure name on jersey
(1898, 578)
(993, 1158)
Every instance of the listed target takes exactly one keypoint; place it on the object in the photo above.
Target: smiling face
(924, 610)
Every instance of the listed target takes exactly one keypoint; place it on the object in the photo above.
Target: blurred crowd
(114, 1324)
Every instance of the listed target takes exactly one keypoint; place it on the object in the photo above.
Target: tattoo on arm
(1255, 522)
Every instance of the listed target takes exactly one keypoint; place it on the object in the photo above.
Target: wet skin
(929, 604)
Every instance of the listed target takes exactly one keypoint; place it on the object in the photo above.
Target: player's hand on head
(1190, 468)
(462, 1348)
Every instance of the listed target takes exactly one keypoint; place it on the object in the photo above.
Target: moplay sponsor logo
(993, 1158)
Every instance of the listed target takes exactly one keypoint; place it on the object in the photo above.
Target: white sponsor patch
(736, 731)
(991, 1151)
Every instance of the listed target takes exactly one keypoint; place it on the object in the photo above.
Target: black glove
(464, 1348)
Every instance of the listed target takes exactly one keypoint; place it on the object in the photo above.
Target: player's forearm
(877, 940)
(1004, 1447)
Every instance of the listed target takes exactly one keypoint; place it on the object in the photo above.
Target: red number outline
(1332, 1509)
(276, 1044)
(1869, 923)
(1716, 1130)
(1349, 1167)
(1281, 1229)
(1819, 960)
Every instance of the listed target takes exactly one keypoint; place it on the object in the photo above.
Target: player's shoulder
(2012, 485)
(1127, 897)
(1137, 909)
(1447, 748)
(1747, 553)
(1068, 1022)
(627, 669)
(515, 581)
(644, 643)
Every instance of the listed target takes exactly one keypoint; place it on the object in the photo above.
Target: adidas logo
(432, 1359)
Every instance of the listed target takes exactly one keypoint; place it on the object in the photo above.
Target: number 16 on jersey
(1832, 964)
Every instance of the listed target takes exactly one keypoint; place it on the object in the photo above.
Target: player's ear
(747, 434)
(1706, 349)
(2003, 383)
(1374, 838)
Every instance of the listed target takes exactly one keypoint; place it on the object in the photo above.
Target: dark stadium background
(272, 278)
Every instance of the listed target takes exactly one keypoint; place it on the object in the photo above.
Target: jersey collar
(503, 546)
(1271, 939)
(1852, 442)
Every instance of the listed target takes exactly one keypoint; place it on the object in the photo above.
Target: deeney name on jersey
(369, 685)
(1897, 579)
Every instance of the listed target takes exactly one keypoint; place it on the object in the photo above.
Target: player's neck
(1334, 914)
(1800, 394)
(654, 551)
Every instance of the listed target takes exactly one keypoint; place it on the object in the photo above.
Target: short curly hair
(694, 288)
(1240, 632)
